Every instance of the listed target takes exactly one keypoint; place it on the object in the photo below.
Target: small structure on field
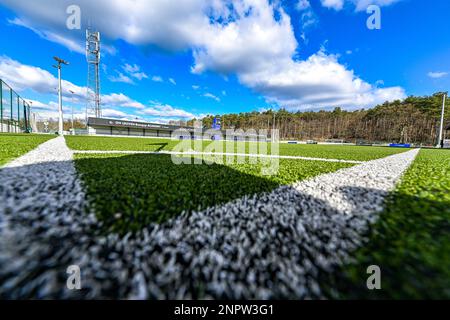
(447, 137)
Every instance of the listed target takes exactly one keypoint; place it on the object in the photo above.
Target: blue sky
(162, 61)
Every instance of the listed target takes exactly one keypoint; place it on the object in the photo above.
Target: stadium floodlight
(441, 129)
(61, 123)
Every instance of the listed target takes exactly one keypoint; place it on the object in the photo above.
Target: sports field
(342, 152)
(15, 145)
(411, 240)
(145, 188)
(141, 226)
(150, 188)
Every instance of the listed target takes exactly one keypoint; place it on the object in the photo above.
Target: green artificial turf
(411, 240)
(117, 144)
(342, 152)
(131, 191)
(141, 144)
(16, 145)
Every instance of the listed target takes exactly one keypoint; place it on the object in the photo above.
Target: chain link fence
(15, 112)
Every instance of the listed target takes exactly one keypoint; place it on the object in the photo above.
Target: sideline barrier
(15, 111)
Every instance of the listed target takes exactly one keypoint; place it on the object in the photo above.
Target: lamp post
(61, 121)
(441, 129)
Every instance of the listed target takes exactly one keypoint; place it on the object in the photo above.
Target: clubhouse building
(114, 127)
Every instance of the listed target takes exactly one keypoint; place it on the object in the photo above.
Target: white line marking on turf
(270, 245)
(42, 213)
(193, 153)
(285, 238)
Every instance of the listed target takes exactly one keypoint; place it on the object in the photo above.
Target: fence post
(1, 105)
(18, 113)
(11, 115)
(9, 123)
(25, 117)
(29, 129)
(28, 119)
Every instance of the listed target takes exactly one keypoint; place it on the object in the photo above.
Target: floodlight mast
(61, 121)
(441, 129)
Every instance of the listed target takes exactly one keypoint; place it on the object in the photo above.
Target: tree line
(413, 120)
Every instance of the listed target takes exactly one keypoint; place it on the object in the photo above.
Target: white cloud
(318, 82)
(211, 96)
(165, 110)
(437, 75)
(302, 5)
(140, 75)
(131, 71)
(253, 39)
(308, 19)
(141, 22)
(360, 5)
(120, 77)
(134, 71)
(131, 68)
(50, 110)
(157, 79)
(35, 104)
(120, 100)
(54, 115)
(195, 87)
(52, 107)
(167, 120)
(51, 113)
(20, 77)
(112, 113)
(259, 49)
(333, 4)
(71, 44)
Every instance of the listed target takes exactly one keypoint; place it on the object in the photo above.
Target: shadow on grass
(410, 242)
(130, 192)
(162, 146)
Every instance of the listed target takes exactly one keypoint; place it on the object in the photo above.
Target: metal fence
(15, 112)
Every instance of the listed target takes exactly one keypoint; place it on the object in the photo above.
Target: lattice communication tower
(93, 107)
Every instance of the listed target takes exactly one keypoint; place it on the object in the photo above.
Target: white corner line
(215, 154)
